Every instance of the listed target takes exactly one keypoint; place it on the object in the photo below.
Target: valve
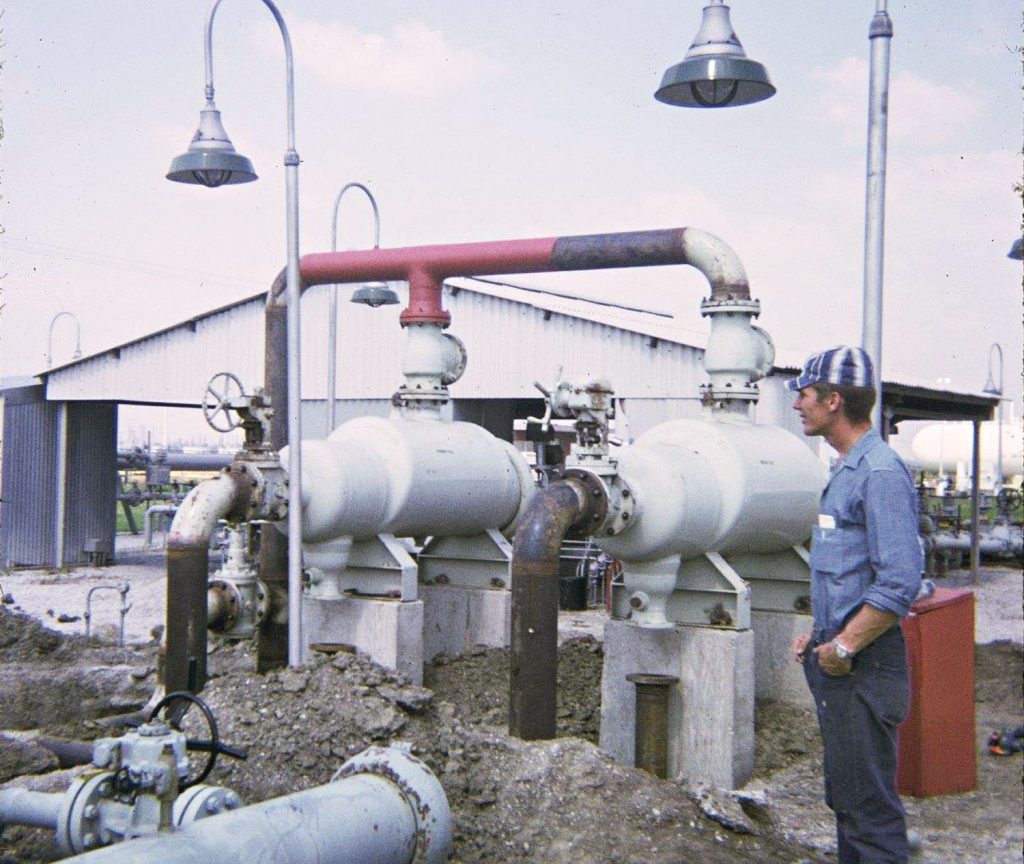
(226, 406)
(136, 789)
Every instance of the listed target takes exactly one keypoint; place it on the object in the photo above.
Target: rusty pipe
(650, 744)
(272, 632)
(533, 673)
(188, 550)
(426, 267)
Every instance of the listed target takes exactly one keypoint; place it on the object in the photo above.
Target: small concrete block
(777, 675)
(455, 619)
(389, 631)
(711, 712)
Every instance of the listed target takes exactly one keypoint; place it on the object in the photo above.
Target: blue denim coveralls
(864, 550)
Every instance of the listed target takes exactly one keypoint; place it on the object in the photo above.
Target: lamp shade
(211, 159)
(1017, 250)
(716, 71)
(375, 294)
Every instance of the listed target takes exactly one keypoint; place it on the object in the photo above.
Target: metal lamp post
(373, 294)
(211, 161)
(716, 71)
(997, 390)
(880, 36)
(78, 338)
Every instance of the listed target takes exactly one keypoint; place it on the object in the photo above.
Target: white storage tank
(410, 478)
(716, 486)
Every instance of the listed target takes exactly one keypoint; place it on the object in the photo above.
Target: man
(866, 567)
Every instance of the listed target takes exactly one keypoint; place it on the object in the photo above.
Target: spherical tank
(377, 475)
(716, 486)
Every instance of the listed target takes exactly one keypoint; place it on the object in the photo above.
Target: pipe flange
(78, 819)
(226, 605)
(597, 498)
(421, 791)
(201, 801)
(712, 305)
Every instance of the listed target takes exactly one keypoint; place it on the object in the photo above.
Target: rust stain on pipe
(184, 666)
(650, 747)
(426, 267)
(533, 677)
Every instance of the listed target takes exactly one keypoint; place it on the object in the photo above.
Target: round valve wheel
(211, 746)
(224, 388)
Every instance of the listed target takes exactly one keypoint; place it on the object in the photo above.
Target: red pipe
(426, 267)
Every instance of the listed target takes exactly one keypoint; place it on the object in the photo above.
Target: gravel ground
(558, 801)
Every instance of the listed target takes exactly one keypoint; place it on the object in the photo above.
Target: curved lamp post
(211, 161)
(997, 390)
(716, 71)
(78, 338)
(372, 294)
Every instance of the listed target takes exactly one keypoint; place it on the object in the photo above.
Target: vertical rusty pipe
(188, 555)
(650, 747)
(533, 675)
(272, 633)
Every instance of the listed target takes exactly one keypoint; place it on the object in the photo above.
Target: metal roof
(514, 334)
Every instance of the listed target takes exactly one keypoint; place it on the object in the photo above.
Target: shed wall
(28, 487)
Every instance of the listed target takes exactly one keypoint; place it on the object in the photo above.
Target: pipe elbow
(718, 262)
(221, 497)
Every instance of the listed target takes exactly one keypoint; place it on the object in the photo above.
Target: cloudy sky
(475, 120)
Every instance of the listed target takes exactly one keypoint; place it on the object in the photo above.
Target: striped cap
(843, 366)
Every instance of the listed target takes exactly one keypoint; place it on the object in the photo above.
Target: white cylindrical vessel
(410, 477)
(716, 486)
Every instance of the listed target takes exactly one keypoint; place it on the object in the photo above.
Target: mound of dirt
(561, 800)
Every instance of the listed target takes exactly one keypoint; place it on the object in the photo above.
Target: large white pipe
(410, 478)
(716, 486)
(25, 807)
(386, 808)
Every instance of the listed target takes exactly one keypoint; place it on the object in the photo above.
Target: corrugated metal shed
(644, 353)
(57, 479)
(27, 488)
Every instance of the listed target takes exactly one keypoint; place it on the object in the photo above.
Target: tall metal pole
(997, 390)
(880, 36)
(292, 298)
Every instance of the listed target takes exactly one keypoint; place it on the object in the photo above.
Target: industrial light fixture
(211, 161)
(716, 71)
(211, 158)
(1017, 250)
(375, 294)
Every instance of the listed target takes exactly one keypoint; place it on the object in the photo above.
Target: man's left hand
(829, 662)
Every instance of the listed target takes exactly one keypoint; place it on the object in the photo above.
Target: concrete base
(777, 675)
(390, 631)
(711, 711)
(456, 618)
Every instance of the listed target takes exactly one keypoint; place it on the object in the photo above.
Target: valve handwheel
(211, 745)
(1008, 499)
(224, 388)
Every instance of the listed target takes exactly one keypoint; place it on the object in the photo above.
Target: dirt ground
(512, 801)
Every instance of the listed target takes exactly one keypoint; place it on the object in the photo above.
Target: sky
(472, 120)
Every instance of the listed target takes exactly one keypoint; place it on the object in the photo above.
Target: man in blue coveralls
(866, 567)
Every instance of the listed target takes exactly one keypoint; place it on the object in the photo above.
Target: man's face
(815, 412)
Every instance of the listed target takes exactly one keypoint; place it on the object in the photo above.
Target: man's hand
(800, 646)
(830, 663)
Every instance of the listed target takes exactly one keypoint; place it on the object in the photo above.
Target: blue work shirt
(865, 547)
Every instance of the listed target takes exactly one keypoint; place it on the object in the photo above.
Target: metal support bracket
(708, 592)
(380, 568)
(481, 561)
(779, 581)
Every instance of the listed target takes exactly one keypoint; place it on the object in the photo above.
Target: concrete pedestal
(456, 618)
(777, 675)
(711, 710)
(390, 631)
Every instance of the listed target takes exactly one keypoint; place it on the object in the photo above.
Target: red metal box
(937, 748)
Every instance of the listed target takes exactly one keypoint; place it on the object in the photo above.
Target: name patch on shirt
(826, 521)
